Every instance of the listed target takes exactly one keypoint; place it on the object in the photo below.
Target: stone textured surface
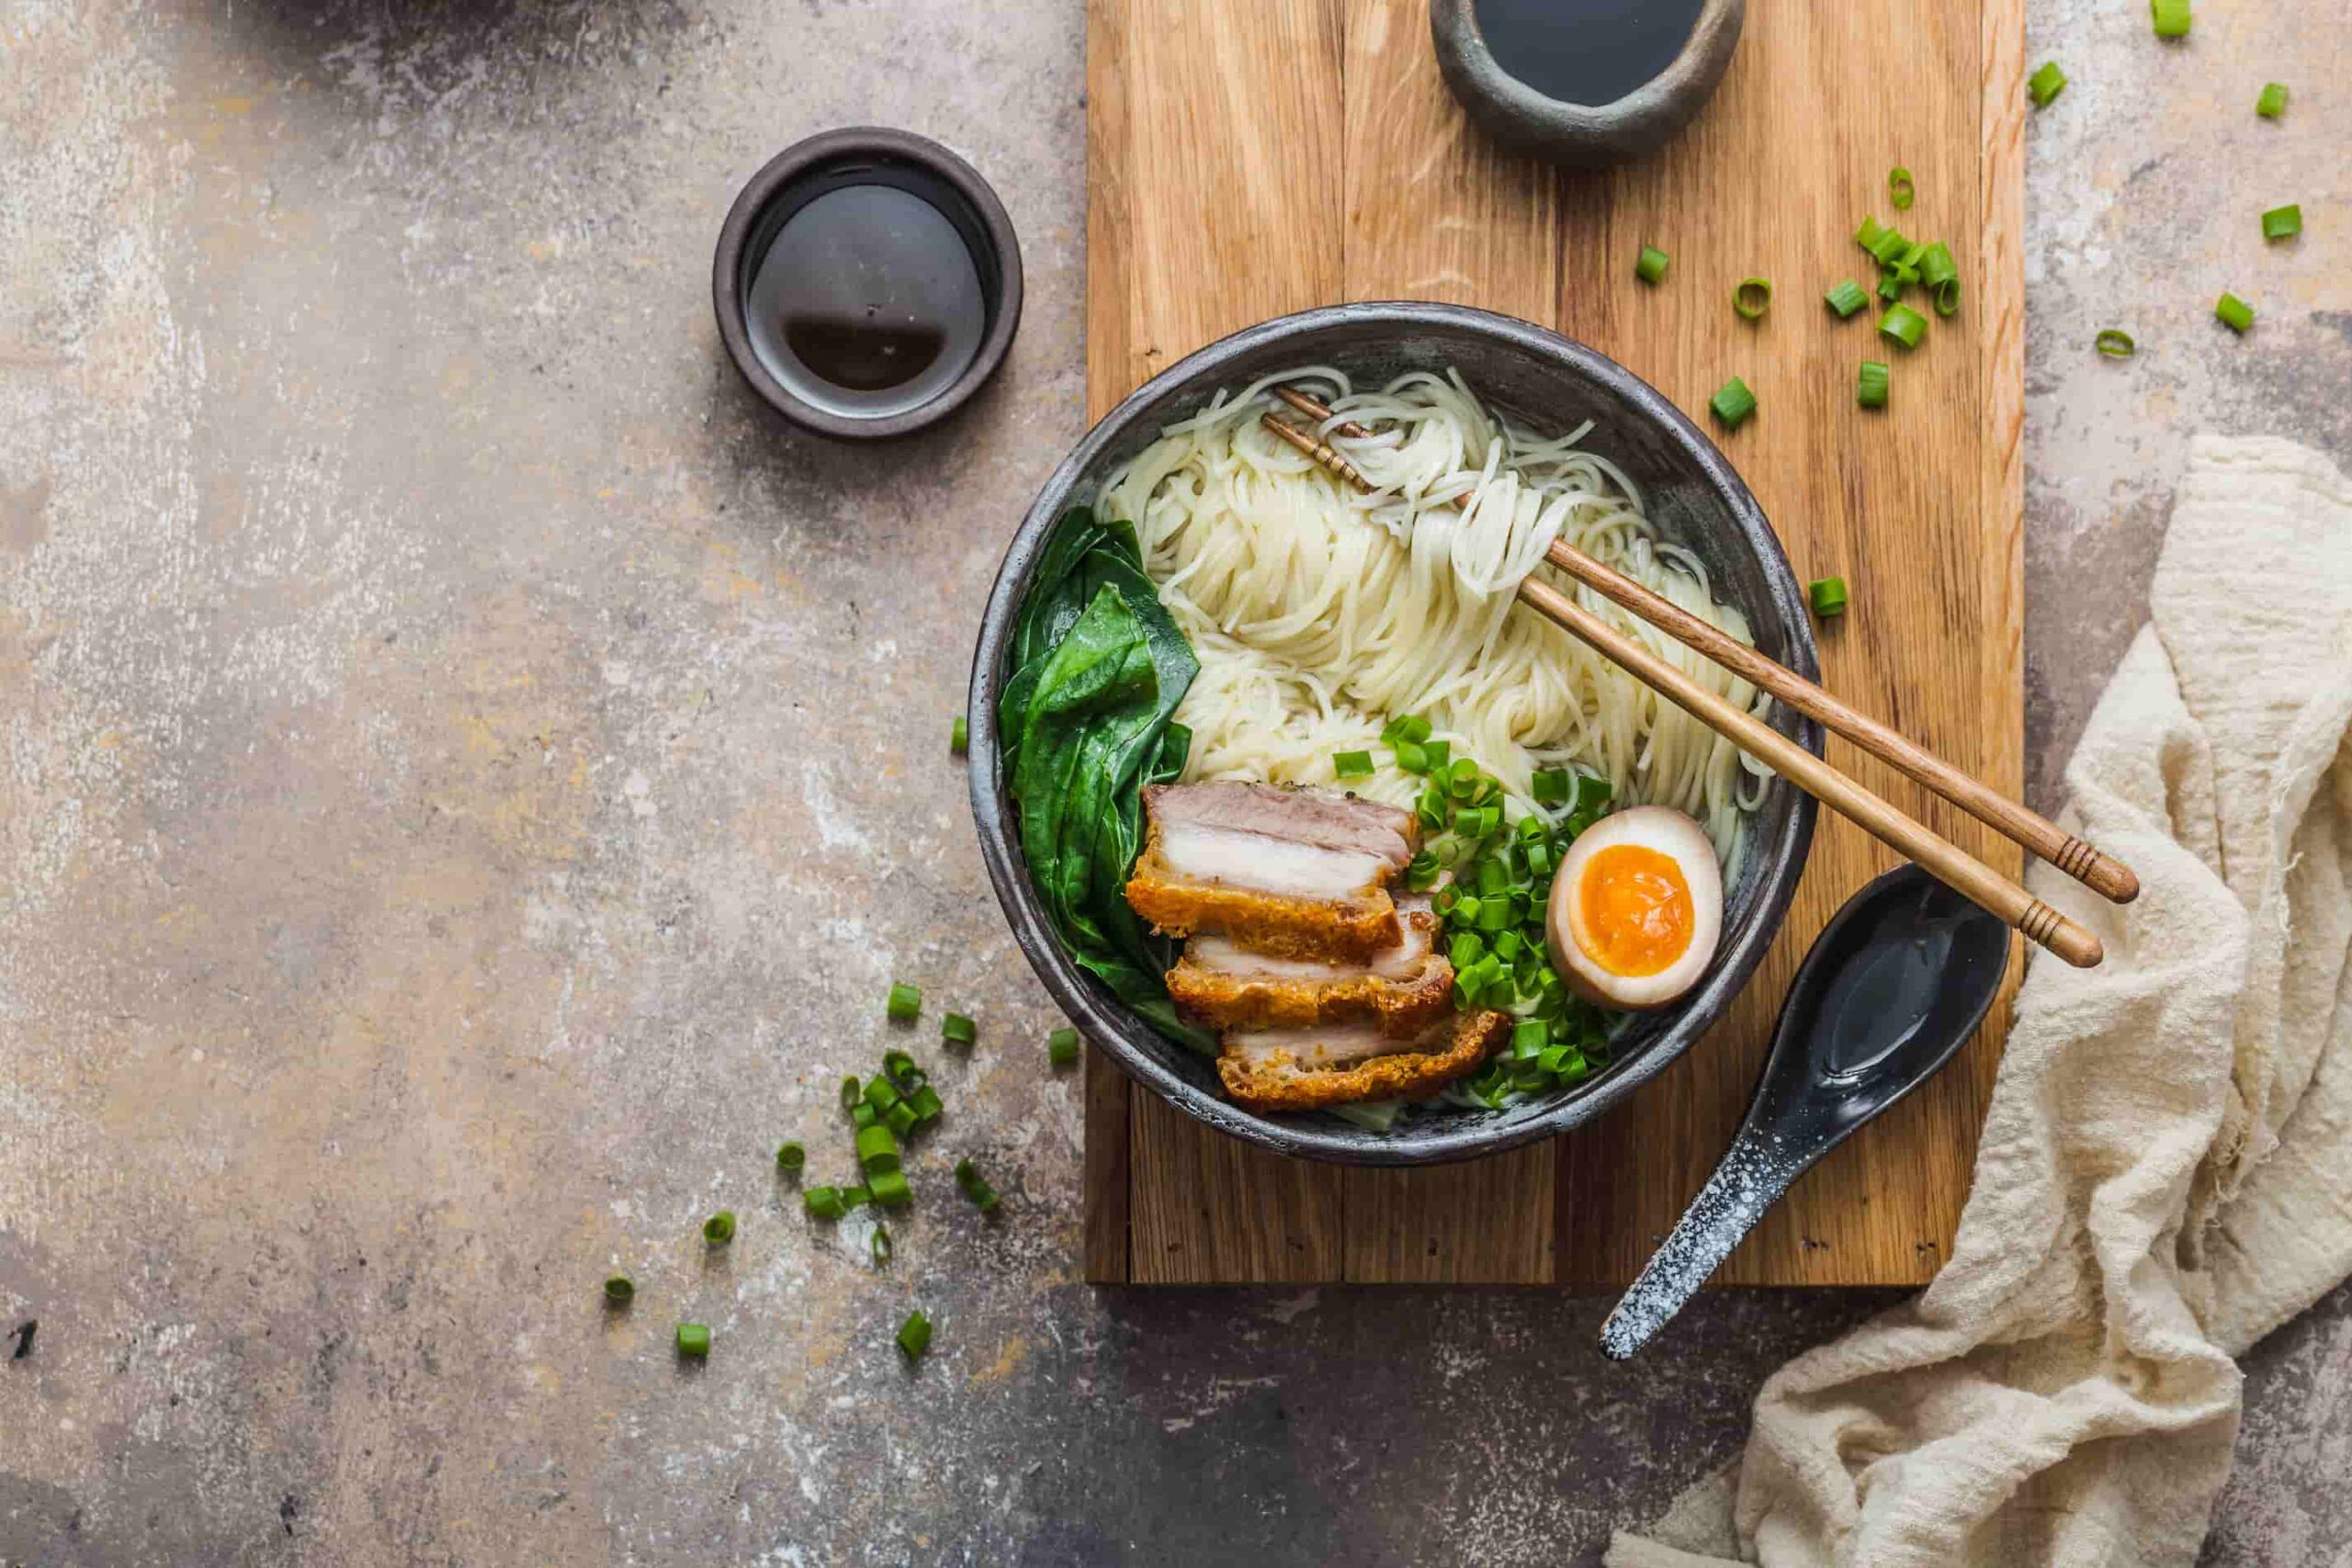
(467, 776)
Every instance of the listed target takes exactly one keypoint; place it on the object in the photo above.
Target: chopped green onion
(823, 1203)
(1550, 786)
(852, 1092)
(1751, 297)
(881, 1093)
(1947, 297)
(2236, 312)
(1891, 247)
(1411, 758)
(904, 1076)
(790, 1156)
(1869, 385)
(863, 1116)
(975, 1187)
(1652, 264)
(889, 1189)
(959, 736)
(2115, 344)
(2273, 102)
(1593, 792)
(899, 1120)
(1405, 728)
(1421, 871)
(2171, 17)
(853, 1196)
(694, 1340)
(1827, 595)
(2045, 83)
(925, 1106)
(1869, 235)
(1903, 325)
(955, 1029)
(906, 1001)
(1438, 752)
(1352, 764)
(1899, 188)
(720, 1229)
(879, 1244)
(619, 1290)
(877, 1150)
(1462, 778)
(1936, 265)
(1891, 282)
(2282, 222)
(1733, 403)
(1061, 1047)
(914, 1335)
(1846, 298)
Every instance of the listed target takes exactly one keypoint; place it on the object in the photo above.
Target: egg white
(1682, 841)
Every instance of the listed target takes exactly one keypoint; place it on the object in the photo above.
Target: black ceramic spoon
(1897, 979)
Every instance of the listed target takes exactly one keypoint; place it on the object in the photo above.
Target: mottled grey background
(468, 775)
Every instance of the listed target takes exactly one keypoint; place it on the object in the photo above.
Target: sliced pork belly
(1291, 873)
(1401, 989)
(1314, 1068)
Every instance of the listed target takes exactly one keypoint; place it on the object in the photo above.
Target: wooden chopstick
(1944, 860)
(2101, 873)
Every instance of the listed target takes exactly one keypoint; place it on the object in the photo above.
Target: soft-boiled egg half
(1638, 907)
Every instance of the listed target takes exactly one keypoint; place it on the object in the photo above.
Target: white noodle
(1318, 613)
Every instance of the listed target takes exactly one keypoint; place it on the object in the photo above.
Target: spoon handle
(1749, 1180)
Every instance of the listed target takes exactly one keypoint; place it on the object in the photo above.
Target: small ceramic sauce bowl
(867, 282)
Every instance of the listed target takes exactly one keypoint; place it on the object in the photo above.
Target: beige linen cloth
(2166, 1174)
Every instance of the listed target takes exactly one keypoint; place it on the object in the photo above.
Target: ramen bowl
(1548, 383)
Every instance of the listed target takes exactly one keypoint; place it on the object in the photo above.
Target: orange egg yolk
(1634, 911)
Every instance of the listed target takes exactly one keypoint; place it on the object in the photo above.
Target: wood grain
(1264, 155)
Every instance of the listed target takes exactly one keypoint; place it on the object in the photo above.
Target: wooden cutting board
(1248, 158)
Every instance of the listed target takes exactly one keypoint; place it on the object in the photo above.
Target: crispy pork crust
(1402, 1007)
(1282, 1085)
(1342, 932)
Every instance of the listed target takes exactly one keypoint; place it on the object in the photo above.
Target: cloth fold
(2165, 1172)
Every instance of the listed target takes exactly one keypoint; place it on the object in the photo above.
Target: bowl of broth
(867, 282)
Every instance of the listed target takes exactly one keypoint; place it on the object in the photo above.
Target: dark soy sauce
(1586, 52)
(867, 301)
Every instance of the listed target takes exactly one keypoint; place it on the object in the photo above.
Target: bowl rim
(882, 143)
(1107, 1023)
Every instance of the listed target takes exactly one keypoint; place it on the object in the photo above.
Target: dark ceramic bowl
(867, 155)
(1695, 500)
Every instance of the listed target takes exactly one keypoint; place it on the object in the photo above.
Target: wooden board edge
(1105, 1161)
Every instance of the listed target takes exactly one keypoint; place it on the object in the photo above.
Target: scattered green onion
(900, 1069)
(1899, 188)
(2045, 83)
(1404, 728)
(790, 1156)
(879, 1244)
(1891, 282)
(720, 1229)
(1869, 385)
(1411, 758)
(853, 1196)
(1846, 298)
(906, 1001)
(1437, 754)
(881, 1093)
(1903, 325)
(914, 1335)
(1869, 235)
(1941, 275)
(1352, 764)
(899, 1120)
(852, 1092)
(959, 736)
(1733, 403)
(1752, 296)
(1827, 596)
(975, 1187)
(889, 1188)
(1652, 264)
(925, 1103)
(2171, 17)
(2273, 102)
(958, 1030)
(694, 1339)
(863, 1116)
(2115, 344)
(2282, 222)
(1550, 786)
(877, 1151)
(2236, 312)
(1889, 248)
(1061, 1047)
(823, 1203)
(619, 1290)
